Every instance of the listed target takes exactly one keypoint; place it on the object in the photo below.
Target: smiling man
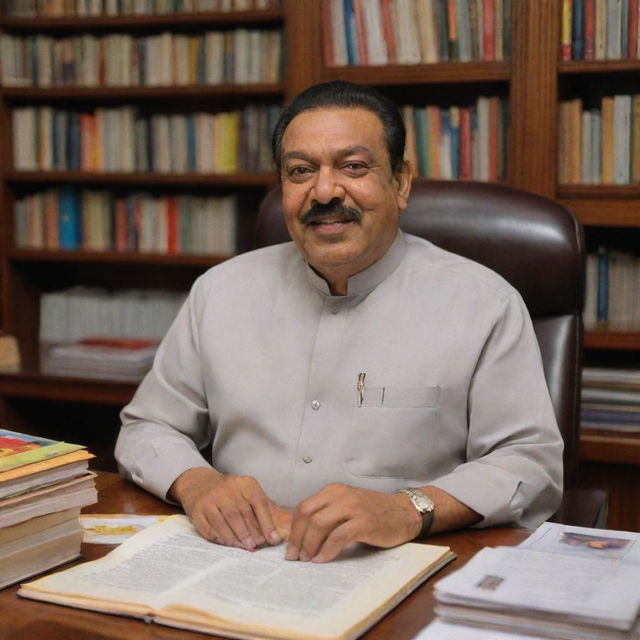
(356, 385)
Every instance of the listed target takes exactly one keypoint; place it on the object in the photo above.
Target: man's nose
(327, 186)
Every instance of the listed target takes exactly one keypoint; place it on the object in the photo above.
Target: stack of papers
(562, 582)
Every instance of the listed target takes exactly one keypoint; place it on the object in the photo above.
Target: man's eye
(355, 167)
(299, 171)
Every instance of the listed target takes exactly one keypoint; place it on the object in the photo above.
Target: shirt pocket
(391, 432)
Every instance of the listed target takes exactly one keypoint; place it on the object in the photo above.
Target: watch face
(422, 502)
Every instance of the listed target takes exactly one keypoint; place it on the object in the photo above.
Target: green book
(20, 449)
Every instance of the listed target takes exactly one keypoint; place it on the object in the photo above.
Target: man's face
(340, 199)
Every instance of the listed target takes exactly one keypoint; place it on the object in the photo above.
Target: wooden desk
(23, 619)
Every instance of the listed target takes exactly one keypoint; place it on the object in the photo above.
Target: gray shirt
(260, 371)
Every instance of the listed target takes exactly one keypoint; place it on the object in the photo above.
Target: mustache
(318, 211)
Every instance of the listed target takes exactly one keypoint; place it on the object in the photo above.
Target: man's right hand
(230, 510)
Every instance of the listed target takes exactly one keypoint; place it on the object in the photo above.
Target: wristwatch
(424, 505)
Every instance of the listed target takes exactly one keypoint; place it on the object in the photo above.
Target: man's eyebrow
(348, 151)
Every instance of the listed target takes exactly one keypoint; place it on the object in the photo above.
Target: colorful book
(20, 449)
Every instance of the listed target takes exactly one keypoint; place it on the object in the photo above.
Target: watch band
(424, 506)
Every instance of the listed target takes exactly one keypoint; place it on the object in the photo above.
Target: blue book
(69, 218)
(445, 144)
(624, 30)
(73, 159)
(577, 30)
(351, 32)
(454, 126)
(191, 143)
(603, 285)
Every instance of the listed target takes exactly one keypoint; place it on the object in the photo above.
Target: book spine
(603, 285)
(565, 45)
(577, 27)
(589, 29)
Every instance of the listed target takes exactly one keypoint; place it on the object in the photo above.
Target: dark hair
(345, 95)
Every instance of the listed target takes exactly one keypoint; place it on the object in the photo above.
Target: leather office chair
(538, 246)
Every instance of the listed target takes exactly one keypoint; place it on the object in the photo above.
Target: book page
(515, 579)
(169, 567)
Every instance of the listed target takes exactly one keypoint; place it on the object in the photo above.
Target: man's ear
(403, 177)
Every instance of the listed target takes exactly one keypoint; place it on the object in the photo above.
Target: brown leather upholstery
(535, 244)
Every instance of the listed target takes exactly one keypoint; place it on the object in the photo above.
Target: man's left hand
(338, 515)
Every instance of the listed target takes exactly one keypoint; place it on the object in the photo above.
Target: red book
(387, 26)
(118, 343)
(466, 152)
(488, 29)
(494, 137)
(590, 29)
(121, 224)
(87, 141)
(361, 32)
(327, 34)
(633, 28)
(173, 239)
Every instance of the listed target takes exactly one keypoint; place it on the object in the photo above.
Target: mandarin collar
(366, 281)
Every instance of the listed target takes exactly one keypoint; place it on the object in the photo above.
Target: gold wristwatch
(424, 505)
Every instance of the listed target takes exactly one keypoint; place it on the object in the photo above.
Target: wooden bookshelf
(26, 273)
(533, 79)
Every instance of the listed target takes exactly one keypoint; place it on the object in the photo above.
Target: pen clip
(360, 388)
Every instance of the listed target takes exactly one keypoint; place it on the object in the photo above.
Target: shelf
(602, 205)
(51, 94)
(132, 22)
(605, 337)
(143, 179)
(439, 73)
(111, 257)
(607, 446)
(37, 385)
(598, 66)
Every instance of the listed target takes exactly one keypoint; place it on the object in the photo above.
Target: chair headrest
(533, 242)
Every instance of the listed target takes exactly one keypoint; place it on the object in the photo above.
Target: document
(562, 582)
(168, 574)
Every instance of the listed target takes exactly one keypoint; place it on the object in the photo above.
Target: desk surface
(27, 619)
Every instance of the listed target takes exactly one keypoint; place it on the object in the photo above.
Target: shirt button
(334, 309)
(315, 405)
(307, 459)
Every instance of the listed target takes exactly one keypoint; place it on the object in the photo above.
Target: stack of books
(562, 582)
(126, 359)
(610, 399)
(43, 485)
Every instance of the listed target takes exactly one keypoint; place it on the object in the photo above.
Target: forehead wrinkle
(340, 153)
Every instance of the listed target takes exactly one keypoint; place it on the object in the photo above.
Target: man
(329, 373)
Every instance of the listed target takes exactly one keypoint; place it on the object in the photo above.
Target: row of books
(121, 359)
(43, 485)
(122, 139)
(95, 220)
(600, 30)
(380, 32)
(240, 56)
(612, 285)
(60, 8)
(80, 312)
(600, 144)
(467, 143)
(610, 398)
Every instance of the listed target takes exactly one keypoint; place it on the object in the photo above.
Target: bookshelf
(86, 408)
(532, 78)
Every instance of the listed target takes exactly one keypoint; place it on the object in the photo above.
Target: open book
(170, 575)
(562, 582)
